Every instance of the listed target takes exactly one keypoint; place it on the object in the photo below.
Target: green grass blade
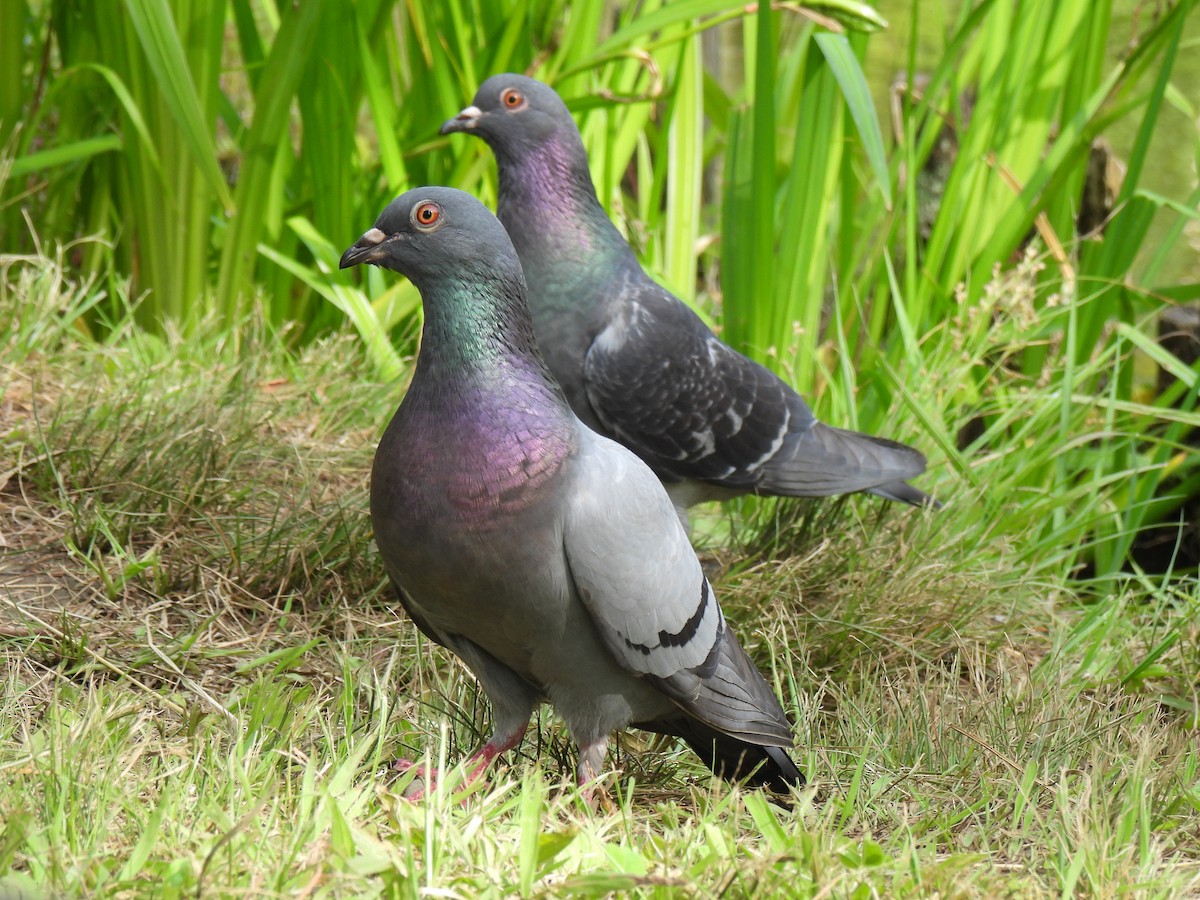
(160, 42)
(665, 16)
(748, 217)
(267, 138)
(684, 151)
(128, 104)
(381, 112)
(355, 306)
(845, 66)
(851, 14)
(64, 155)
(13, 54)
(808, 206)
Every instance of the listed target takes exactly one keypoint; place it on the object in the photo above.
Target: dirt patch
(40, 582)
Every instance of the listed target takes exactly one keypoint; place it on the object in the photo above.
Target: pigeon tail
(822, 461)
(903, 492)
(734, 760)
(729, 695)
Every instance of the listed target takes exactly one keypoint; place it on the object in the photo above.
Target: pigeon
(636, 363)
(548, 558)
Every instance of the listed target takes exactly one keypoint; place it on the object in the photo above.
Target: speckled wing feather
(693, 408)
(634, 361)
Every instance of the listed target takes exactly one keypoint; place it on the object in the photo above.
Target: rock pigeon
(547, 557)
(635, 362)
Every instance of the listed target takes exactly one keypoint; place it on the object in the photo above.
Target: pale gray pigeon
(635, 362)
(547, 557)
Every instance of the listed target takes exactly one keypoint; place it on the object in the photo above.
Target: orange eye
(426, 215)
(512, 98)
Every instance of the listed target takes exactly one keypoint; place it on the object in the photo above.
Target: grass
(226, 152)
(205, 682)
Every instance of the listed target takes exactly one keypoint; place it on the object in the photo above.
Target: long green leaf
(160, 42)
(853, 82)
(266, 139)
(61, 156)
(850, 13)
(683, 201)
(669, 14)
(128, 104)
(357, 309)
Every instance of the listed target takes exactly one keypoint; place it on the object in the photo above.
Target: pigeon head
(512, 112)
(546, 198)
(434, 233)
(462, 261)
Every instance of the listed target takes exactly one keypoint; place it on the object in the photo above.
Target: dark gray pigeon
(547, 557)
(635, 362)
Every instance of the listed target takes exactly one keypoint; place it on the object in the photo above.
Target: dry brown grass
(205, 681)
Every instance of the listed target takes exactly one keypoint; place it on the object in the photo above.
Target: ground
(206, 682)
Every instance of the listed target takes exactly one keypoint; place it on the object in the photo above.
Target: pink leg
(591, 762)
(478, 762)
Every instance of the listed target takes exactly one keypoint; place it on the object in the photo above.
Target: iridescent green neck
(478, 330)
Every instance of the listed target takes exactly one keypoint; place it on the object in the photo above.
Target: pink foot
(424, 781)
(426, 778)
(596, 796)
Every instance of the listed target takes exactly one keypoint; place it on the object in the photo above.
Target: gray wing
(640, 580)
(694, 408)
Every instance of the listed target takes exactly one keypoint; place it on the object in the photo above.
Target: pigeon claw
(425, 779)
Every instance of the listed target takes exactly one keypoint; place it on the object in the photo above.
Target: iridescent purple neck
(549, 206)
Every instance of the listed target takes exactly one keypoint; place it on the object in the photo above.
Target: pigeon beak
(464, 121)
(366, 249)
